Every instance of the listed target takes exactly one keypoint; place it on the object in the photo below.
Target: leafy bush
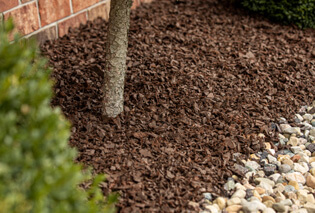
(299, 12)
(37, 173)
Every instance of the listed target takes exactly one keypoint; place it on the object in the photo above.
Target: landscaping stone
(269, 210)
(285, 188)
(278, 207)
(253, 206)
(234, 208)
(295, 176)
(239, 194)
(311, 147)
(310, 207)
(310, 181)
(269, 169)
(285, 168)
(221, 202)
(234, 201)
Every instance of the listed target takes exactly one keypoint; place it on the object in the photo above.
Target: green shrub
(37, 173)
(299, 12)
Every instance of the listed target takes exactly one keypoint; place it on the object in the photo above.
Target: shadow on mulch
(202, 82)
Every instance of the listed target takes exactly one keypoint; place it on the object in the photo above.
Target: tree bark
(116, 53)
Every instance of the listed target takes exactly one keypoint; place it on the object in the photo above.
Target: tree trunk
(116, 52)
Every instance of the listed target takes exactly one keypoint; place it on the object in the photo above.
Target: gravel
(283, 181)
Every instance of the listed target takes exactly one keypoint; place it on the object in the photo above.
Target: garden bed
(203, 80)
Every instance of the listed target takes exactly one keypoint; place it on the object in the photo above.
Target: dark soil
(203, 80)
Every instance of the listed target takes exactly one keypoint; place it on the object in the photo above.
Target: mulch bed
(203, 80)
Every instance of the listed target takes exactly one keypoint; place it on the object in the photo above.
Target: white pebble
(299, 117)
(284, 126)
(300, 168)
(304, 157)
(269, 210)
(266, 186)
(308, 153)
(302, 141)
(239, 193)
(272, 159)
(240, 186)
(272, 151)
(308, 117)
(310, 207)
(294, 141)
(234, 201)
(295, 176)
(253, 206)
(275, 177)
(299, 211)
(296, 149)
(212, 209)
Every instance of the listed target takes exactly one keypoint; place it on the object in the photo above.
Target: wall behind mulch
(50, 19)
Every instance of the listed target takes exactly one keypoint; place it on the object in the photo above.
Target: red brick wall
(50, 19)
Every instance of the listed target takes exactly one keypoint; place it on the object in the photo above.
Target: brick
(99, 11)
(8, 4)
(43, 35)
(78, 5)
(25, 18)
(135, 4)
(53, 10)
(25, 1)
(72, 22)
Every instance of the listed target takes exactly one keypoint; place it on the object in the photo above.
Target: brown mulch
(203, 80)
